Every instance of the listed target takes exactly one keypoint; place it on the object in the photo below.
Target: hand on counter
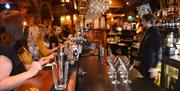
(35, 68)
(153, 72)
(43, 61)
(48, 59)
(51, 56)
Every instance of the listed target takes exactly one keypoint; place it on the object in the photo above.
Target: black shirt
(150, 49)
(9, 51)
(53, 39)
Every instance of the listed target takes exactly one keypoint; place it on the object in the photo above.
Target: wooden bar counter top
(96, 79)
(44, 82)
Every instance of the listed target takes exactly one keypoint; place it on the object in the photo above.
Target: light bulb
(7, 6)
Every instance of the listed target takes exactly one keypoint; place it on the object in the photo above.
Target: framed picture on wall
(96, 23)
(102, 22)
(144, 9)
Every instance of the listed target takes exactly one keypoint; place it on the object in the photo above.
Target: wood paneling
(97, 35)
(116, 4)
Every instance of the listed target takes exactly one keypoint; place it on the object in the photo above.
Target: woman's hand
(51, 56)
(61, 45)
(44, 60)
(34, 68)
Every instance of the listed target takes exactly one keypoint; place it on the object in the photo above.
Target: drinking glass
(121, 72)
(60, 69)
(113, 70)
(55, 71)
(60, 76)
(125, 71)
(66, 71)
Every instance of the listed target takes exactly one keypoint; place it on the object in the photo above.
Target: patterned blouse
(34, 50)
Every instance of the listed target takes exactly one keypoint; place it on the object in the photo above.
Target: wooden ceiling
(117, 6)
(55, 7)
(123, 6)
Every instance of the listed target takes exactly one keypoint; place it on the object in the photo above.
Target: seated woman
(12, 70)
(33, 33)
(36, 44)
(43, 48)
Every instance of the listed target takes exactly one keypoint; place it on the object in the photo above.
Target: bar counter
(44, 82)
(173, 61)
(97, 78)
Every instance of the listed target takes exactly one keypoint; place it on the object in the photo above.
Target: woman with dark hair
(12, 70)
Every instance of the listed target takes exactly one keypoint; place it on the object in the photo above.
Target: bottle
(170, 46)
(101, 51)
(109, 51)
(172, 84)
(170, 38)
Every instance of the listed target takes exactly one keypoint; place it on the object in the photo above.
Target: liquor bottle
(101, 51)
(172, 84)
(109, 51)
(170, 49)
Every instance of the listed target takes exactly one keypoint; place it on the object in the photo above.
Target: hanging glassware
(97, 8)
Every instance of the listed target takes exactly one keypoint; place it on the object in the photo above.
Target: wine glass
(121, 72)
(113, 70)
(125, 71)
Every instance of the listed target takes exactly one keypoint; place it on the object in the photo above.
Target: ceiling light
(7, 6)
(62, 18)
(74, 17)
(127, 3)
(110, 14)
(67, 1)
(122, 15)
(137, 16)
(112, 19)
(68, 17)
(110, 2)
(24, 23)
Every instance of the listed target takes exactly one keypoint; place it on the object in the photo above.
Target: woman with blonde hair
(33, 34)
(36, 43)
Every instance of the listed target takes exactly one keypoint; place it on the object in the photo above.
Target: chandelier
(96, 8)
